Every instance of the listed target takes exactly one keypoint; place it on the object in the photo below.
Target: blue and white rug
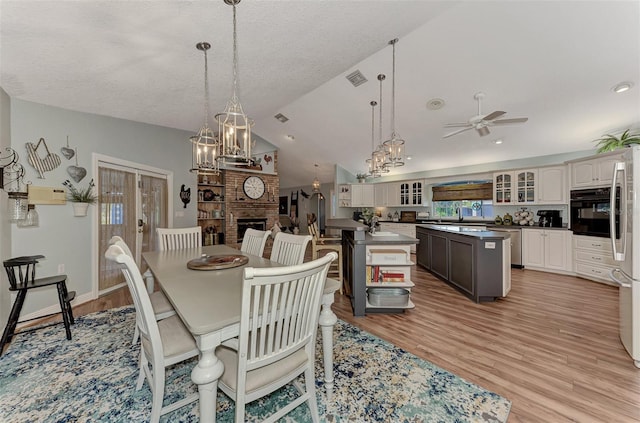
(45, 378)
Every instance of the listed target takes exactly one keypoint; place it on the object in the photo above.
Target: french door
(132, 203)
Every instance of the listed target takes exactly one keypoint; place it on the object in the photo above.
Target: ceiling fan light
(483, 131)
(622, 87)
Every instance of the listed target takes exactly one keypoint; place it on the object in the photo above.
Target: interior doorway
(132, 203)
(318, 208)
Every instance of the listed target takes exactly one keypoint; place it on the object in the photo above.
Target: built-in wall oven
(590, 210)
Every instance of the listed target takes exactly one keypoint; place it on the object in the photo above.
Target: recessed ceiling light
(622, 87)
(291, 137)
(409, 157)
(435, 104)
(497, 142)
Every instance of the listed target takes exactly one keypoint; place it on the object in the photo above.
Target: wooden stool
(21, 272)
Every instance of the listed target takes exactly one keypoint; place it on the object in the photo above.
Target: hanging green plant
(611, 142)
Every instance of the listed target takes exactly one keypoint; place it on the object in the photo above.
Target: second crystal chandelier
(234, 127)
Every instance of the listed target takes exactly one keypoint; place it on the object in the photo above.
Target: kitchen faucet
(459, 212)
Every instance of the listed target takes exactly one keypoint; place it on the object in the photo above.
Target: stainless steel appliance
(590, 211)
(549, 218)
(626, 174)
(516, 245)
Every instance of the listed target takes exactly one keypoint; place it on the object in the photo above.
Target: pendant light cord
(235, 57)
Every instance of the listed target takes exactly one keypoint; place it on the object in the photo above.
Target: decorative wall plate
(216, 262)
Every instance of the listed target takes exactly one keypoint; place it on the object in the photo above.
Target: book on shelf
(392, 277)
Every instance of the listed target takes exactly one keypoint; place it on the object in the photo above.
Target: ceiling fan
(482, 123)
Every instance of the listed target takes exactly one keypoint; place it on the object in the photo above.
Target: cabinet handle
(596, 271)
(596, 245)
(596, 258)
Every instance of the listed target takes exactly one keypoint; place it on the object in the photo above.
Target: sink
(384, 234)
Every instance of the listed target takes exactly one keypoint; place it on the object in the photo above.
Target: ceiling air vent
(356, 78)
(282, 118)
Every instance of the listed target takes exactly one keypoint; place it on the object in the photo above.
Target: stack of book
(375, 275)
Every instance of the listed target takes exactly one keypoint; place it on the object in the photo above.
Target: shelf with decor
(211, 208)
(388, 278)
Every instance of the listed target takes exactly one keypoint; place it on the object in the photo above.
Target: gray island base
(388, 253)
(475, 261)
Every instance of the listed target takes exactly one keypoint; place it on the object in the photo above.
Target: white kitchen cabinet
(552, 185)
(503, 183)
(546, 249)
(593, 258)
(597, 172)
(526, 187)
(380, 195)
(362, 195)
(344, 196)
(411, 193)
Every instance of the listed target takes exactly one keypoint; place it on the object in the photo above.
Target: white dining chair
(276, 344)
(253, 241)
(164, 343)
(160, 304)
(289, 249)
(179, 238)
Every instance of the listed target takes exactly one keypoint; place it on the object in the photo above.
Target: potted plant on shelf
(362, 177)
(610, 142)
(80, 198)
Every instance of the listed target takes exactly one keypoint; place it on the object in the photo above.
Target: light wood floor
(551, 346)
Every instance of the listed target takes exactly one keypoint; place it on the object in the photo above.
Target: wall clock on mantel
(253, 187)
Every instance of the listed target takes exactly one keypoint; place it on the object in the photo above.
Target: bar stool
(21, 272)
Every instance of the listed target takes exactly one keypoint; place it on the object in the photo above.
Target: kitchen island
(361, 249)
(474, 260)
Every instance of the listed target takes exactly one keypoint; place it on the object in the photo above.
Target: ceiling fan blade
(457, 132)
(494, 115)
(507, 121)
(457, 125)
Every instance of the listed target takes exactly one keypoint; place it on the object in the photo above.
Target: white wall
(5, 226)
(68, 240)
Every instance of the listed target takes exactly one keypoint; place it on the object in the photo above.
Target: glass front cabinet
(526, 186)
(503, 188)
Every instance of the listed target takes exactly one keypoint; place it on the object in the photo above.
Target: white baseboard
(81, 299)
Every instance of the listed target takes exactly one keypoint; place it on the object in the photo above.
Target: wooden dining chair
(179, 238)
(276, 344)
(21, 273)
(320, 245)
(164, 343)
(253, 241)
(160, 304)
(289, 249)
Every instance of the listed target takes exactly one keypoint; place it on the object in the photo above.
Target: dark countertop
(469, 231)
(347, 224)
(487, 223)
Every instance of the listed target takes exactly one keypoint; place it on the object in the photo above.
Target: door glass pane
(154, 199)
(117, 205)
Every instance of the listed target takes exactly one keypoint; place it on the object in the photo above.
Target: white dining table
(208, 302)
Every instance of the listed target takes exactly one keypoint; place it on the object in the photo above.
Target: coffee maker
(549, 218)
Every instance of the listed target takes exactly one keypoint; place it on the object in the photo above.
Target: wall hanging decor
(11, 171)
(185, 195)
(42, 164)
(76, 172)
(68, 152)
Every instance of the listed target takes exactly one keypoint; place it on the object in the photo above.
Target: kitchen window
(470, 208)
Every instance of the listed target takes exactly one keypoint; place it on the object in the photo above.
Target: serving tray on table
(217, 262)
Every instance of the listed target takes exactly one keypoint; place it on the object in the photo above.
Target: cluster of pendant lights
(388, 153)
(232, 143)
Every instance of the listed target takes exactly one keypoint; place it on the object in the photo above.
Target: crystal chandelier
(394, 145)
(234, 127)
(376, 161)
(315, 185)
(204, 144)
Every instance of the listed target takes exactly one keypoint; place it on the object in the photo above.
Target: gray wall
(5, 226)
(61, 237)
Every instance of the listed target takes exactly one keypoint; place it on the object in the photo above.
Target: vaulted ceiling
(553, 62)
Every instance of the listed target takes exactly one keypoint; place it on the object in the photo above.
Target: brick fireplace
(244, 209)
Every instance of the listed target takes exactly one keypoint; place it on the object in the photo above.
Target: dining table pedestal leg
(206, 374)
(327, 321)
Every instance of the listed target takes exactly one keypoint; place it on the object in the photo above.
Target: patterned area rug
(45, 378)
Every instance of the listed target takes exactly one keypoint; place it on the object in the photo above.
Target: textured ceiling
(554, 62)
